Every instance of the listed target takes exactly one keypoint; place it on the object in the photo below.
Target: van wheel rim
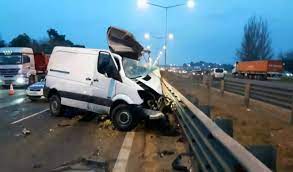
(124, 118)
(54, 106)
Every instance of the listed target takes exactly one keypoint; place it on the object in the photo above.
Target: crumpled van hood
(123, 43)
(153, 81)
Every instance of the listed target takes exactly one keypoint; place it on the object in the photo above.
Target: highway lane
(53, 140)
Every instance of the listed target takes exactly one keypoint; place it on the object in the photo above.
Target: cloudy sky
(212, 31)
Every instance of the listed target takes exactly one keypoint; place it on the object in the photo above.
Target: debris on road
(26, 132)
(166, 153)
(182, 162)
(83, 164)
(38, 165)
(63, 124)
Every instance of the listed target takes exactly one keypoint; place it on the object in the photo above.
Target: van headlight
(20, 80)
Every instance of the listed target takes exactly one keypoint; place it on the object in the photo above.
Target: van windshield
(135, 69)
(10, 60)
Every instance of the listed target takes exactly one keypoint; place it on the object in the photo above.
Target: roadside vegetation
(54, 38)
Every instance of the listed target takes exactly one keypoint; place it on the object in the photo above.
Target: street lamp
(171, 36)
(147, 36)
(145, 3)
(190, 4)
(142, 3)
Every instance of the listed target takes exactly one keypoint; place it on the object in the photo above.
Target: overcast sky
(212, 31)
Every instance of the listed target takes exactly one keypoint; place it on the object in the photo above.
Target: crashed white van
(103, 81)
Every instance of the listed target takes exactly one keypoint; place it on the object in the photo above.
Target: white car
(217, 73)
(35, 91)
(103, 82)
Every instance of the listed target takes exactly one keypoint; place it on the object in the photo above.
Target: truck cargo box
(41, 62)
(261, 66)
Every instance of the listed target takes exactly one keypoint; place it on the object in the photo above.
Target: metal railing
(214, 150)
(267, 92)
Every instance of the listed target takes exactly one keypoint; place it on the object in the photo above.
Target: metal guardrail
(269, 93)
(214, 150)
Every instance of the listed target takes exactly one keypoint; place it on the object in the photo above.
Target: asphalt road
(53, 141)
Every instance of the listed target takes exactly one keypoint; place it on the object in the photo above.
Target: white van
(102, 81)
(95, 80)
(218, 73)
(17, 66)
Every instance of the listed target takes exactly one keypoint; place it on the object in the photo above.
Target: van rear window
(219, 70)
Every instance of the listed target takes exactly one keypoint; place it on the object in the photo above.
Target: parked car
(35, 91)
(217, 73)
(103, 82)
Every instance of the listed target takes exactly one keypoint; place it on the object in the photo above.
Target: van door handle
(96, 80)
(88, 79)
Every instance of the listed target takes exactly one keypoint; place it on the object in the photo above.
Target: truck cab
(17, 66)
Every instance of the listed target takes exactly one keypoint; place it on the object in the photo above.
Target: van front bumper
(146, 113)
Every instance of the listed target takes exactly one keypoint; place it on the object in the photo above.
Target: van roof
(17, 50)
(78, 50)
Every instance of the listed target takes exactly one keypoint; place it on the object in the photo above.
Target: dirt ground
(259, 124)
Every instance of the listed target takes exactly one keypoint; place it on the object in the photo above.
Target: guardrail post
(291, 115)
(247, 94)
(222, 87)
(209, 84)
(226, 125)
(267, 154)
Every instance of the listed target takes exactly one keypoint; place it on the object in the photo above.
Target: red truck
(41, 62)
(260, 70)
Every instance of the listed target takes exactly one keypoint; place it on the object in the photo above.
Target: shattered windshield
(135, 69)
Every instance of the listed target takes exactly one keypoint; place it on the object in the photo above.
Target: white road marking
(123, 156)
(30, 116)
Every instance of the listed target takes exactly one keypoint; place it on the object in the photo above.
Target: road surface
(54, 141)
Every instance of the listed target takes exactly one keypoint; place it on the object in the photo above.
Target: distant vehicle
(103, 82)
(287, 74)
(35, 91)
(217, 73)
(19, 66)
(260, 70)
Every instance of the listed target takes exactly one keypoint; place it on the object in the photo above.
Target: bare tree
(256, 43)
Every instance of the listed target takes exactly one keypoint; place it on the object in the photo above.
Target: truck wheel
(56, 108)
(123, 119)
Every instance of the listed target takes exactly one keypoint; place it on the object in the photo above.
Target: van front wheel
(55, 105)
(123, 119)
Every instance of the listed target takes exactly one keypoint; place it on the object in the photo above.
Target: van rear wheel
(123, 119)
(56, 108)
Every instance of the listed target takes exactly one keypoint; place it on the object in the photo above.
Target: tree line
(257, 44)
(46, 45)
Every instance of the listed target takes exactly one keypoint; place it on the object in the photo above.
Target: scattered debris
(63, 125)
(25, 131)
(166, 153)
(51, 130)
(17, 135)
(107, 124)
(248, 110)
(180, 139)
(37, 165)
(83, 164)
(182, 162)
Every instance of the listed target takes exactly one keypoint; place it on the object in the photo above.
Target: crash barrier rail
(271, 93)
(212, 148)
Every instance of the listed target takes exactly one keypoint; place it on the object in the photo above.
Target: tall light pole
(144, 3)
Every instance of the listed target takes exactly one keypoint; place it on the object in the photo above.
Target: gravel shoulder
(258, 124)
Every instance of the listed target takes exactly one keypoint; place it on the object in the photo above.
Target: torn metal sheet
(123, 43)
